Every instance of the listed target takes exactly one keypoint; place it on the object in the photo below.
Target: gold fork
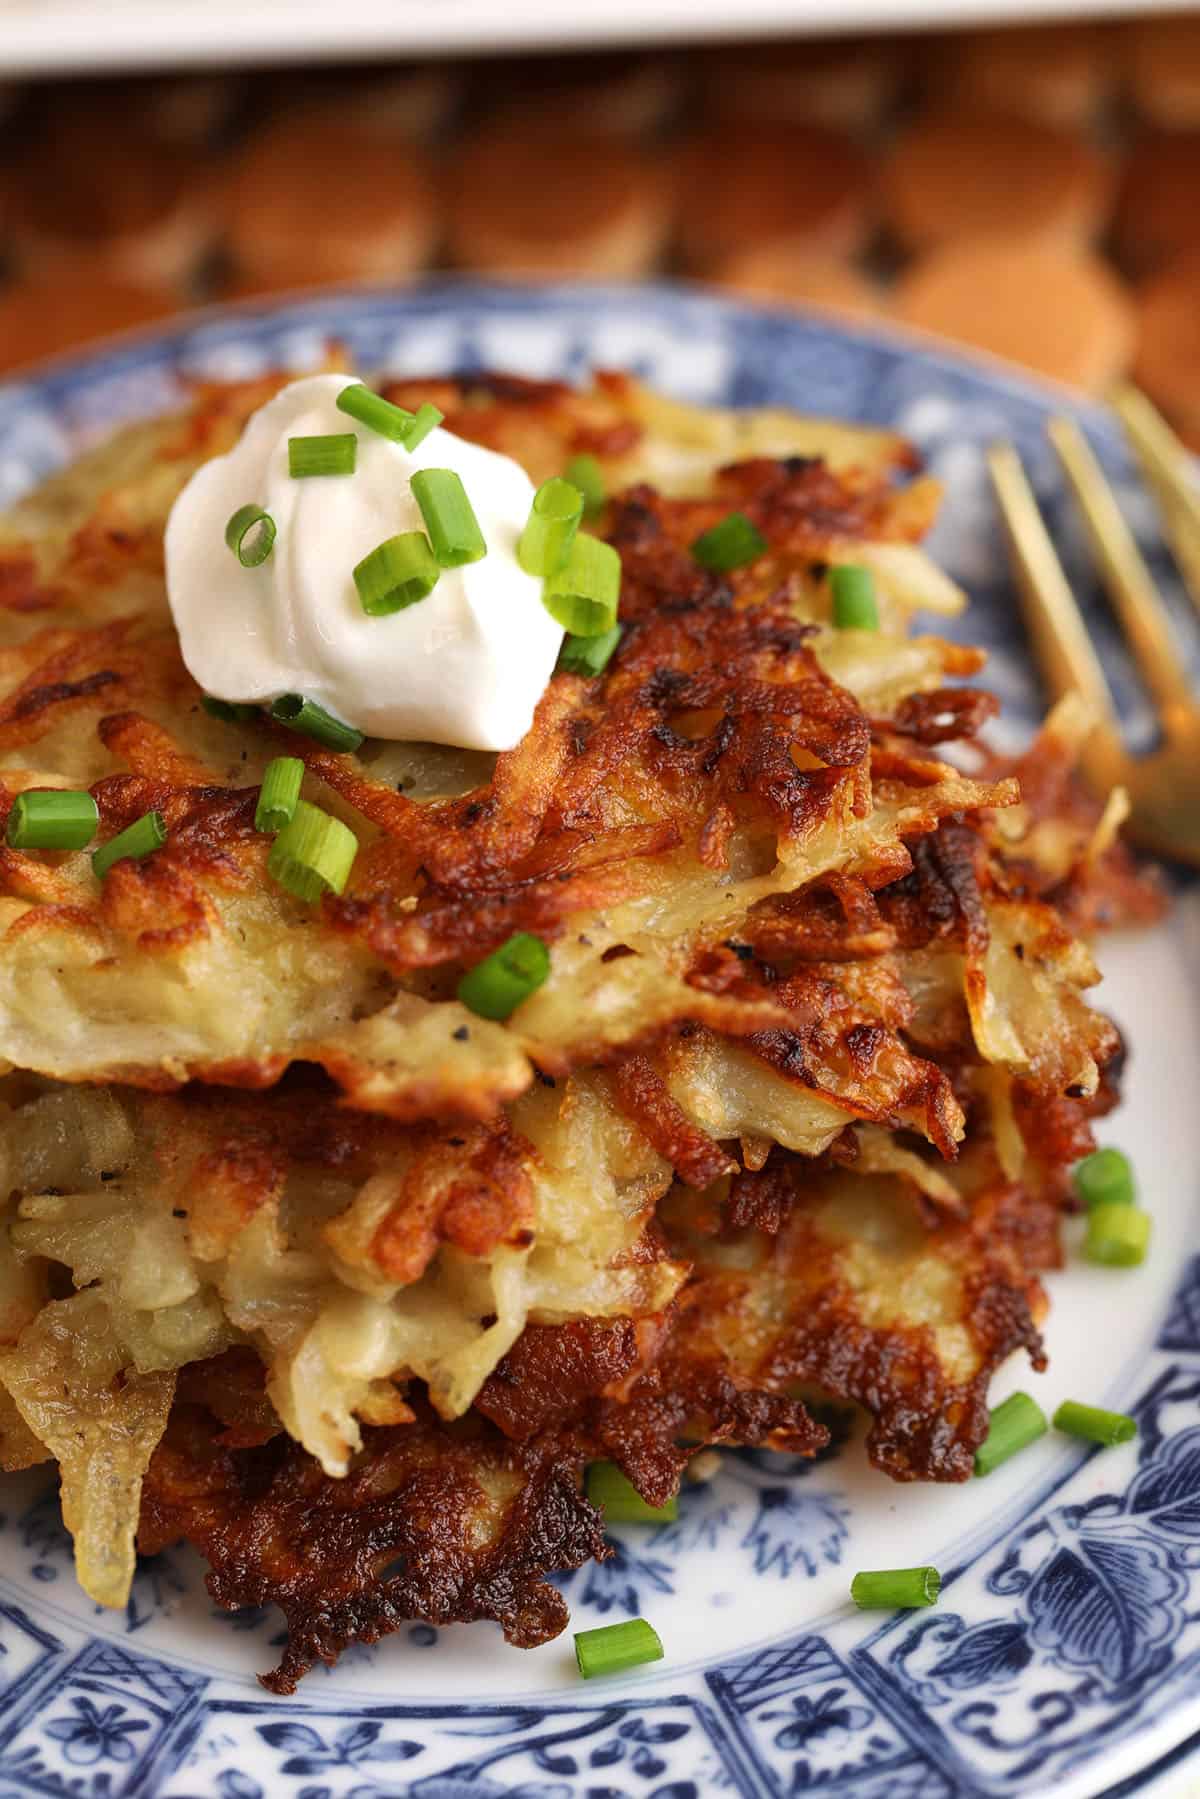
(1164, 786)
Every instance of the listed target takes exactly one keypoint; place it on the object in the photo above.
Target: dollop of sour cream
(466, 665)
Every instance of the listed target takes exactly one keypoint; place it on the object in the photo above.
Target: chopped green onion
(396, 574)
(333, 454)
(233, 712)
(620, 1500)
(612, 1648)
(299, 714)
(1015, 1423)
(589, 656)
(449, 517)
(495, 987)
(546, 541)
(63, 820)
(280, 792)
(731, 544)
(583, 596)
(149, 832)
(585, 473)
(1105, 1178)
(250, 534)
(895, 1589)
(1117, 1235)
(376, 413)
(426, 419)
(313, 854)
(1094, 1423)
(854, 605)
(394, 422)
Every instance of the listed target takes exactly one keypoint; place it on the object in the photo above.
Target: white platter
(40, 36)
(1063, 1661)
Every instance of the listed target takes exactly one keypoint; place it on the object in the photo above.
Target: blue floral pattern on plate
(1064, 1654)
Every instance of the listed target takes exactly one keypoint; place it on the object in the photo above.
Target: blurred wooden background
(1029, 190)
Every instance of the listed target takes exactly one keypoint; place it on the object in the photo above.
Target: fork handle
(1168, 470)
(1128, 581)
(1064, 650)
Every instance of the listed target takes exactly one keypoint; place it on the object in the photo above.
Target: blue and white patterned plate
(1065, 1654)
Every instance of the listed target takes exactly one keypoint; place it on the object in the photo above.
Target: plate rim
(111, 353)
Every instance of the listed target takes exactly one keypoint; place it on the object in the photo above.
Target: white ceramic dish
(41, 35)
(1062, 1658)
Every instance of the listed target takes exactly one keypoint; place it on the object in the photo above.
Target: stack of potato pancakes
(304, 1261)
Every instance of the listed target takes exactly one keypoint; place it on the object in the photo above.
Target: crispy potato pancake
(196, 965)
(446, 1526)
(791, 1120)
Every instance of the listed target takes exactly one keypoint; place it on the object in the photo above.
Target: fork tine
(1060, 639)
(1126, 576)
(1166, 466)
